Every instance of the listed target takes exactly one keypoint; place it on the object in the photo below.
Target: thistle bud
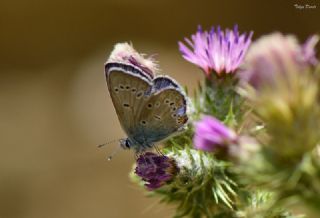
(156, 170)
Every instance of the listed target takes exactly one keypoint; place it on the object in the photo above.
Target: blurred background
(54, 103)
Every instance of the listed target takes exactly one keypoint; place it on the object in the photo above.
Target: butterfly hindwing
(164, 112)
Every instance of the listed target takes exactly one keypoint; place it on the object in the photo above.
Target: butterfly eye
(174, 109)
(116, 89)
(127, 87)
(143, 122)
(174, 115)
(121, 87)
(133, 90)
(166, 101)
(149, 106)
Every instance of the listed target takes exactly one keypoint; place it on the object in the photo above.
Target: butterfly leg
(138, 154)
(158, 150)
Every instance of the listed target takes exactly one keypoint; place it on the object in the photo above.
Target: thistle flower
(278, 79)
(211, 134)
(216, 50)
(203, 187)
(275, 56)
(155, 170)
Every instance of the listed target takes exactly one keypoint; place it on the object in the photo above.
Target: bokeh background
(54, 104)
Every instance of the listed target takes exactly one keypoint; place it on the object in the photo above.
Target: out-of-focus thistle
(277, 58)
(280, 83)
(282, 87)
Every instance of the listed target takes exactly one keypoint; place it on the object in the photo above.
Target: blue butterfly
(150, 109)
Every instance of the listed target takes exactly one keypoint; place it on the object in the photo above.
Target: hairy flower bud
(156, 170)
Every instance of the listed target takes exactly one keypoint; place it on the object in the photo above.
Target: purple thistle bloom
(155, 170)
(211, 134)
(276, 55)
(221, 51)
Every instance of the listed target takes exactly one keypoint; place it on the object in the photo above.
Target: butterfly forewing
(127, 91)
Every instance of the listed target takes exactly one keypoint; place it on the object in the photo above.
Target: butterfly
(150, 108)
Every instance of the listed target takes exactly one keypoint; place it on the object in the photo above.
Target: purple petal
(211, 133)
(276, 55)
(308, 50)
(155, 169)
(220, 51)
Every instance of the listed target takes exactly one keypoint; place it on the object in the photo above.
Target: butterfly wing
(163, 114)
(128, 87)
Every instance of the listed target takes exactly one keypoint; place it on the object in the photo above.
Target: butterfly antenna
(115, 151)
(109, 142)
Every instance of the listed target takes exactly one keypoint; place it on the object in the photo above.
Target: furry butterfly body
(149, 108)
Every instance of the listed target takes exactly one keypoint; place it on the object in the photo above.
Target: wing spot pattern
(157, 104)
(166, 101)
(157, 117)
(116, 89)
(126, 105)
(127, 87)
(149, 106)
(133, 90)
(139, 94)
(121, 87)
(143, 122)
(181, 119)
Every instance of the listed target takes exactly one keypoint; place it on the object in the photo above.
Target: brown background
(54, 104)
